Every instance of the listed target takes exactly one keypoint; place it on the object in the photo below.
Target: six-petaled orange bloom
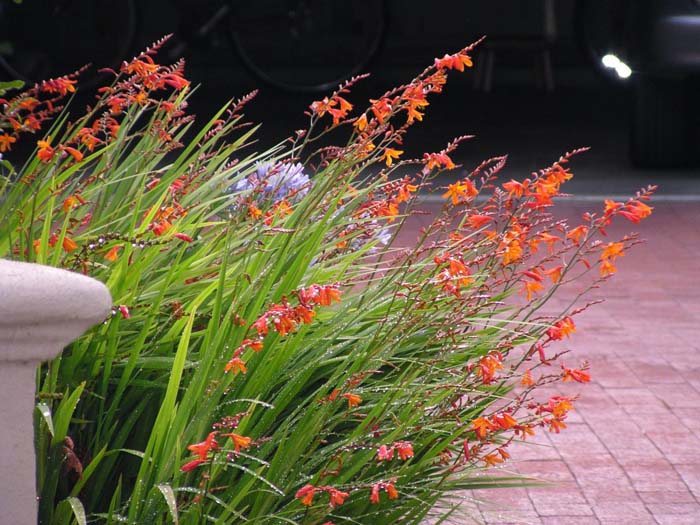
(353, 399)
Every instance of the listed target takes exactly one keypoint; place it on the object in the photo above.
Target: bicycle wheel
(44, 39)
(307, 45)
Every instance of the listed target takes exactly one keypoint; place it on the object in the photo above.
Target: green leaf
(45, 412)
(170, 499)
(65, 413)
(78, 510)
(10, 85)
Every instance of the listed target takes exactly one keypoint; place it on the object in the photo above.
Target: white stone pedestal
(42, 309)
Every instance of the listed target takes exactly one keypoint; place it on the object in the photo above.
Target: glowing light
(623, 70)
(611, 61)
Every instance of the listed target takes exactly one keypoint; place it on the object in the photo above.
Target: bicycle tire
(105, 41)
(273, 61)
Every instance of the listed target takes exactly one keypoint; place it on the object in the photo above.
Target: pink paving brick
(570, 520)
(631, 453)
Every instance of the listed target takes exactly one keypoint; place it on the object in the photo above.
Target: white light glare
(623, 70)
(611, 61)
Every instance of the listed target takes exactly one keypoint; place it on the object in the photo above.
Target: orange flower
(607, 268)
(436, 160)
(460, 190)
(562, 328)
(73, 153)
(478, 221)
(612, 206)
(191, 465)
(353, 399)
(577, 233)
(237, 365)
(492, 459)
(636, 211)
(239, 441)
(361, 122)
(515, 188)
(113, 253)
(28, 103)
(571, 374)
(69, 244)
(526, 380)
(306, 495)
(254, 212)
(6, 142)
(142, 66)
(391, 490)
(504, 420)
(385, 453)
(554, 273)
(61, 85)
(70, 203)
(338, 497)
(481, 427)
(513, 251)
(390, 154)
(321, 107)
(456, 61)
(612, 251)
(531, 287)
(374, 494)
(381, 108)
(328, 294)
(201, 450)
(404, 449)
(46, 152)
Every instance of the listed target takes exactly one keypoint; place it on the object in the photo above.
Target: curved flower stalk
(274, 360)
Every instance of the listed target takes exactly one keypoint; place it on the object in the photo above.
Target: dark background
(517, 116)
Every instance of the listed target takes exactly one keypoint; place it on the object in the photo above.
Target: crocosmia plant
(274, 354)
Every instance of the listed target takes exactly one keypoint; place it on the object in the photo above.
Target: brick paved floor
(631, 452)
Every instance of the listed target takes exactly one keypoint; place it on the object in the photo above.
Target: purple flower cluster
(277, 181)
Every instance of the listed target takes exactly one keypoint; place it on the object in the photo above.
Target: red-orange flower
(385, 453)
(562, 328)
(72, 152)
(526, 380)
(203, 448)
(456, 61)
(577, 234)
(404, 449)
(613, 250)
(391, 490)
(237, 365)
(69, 244)
(374, 494)
(239, 441)
(390, 154)
(532, 287)
(572, 374)
(113, 253)
(60, 85)
(46, 152)
(6, 142)
(482, 426)
(338, 497)
(306, 495)
(353, 399)
(438, 160)
(459, 191)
